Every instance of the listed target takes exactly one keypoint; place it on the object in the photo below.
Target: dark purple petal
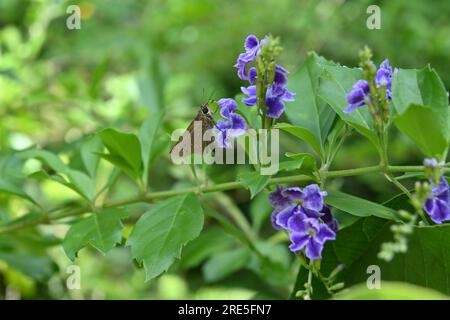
(238, 125)
(312, 213)
(297, 222)
(293, 193)
(438, 210)
(325, 233)
(352, 107)
(288, 96)
(251, 42)
(273, 219)
(278, 200)
(275, 107)
(227, 106)
(298, 241)
(281, 69)
(357, 97)
(383, 77)
(251, 99)
(328, 218)
(284, 215)
(252, 74)
(279, 79)
(313, 197)
(314, 249)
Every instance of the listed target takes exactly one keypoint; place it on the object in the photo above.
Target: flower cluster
(276, 93)
(437, 206)
(233, 126)
(360, 93)
(304, 215)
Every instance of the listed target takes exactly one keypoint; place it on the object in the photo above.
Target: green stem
(308, 290)
(150, 197)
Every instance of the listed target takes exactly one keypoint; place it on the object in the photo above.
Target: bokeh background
(132, 57)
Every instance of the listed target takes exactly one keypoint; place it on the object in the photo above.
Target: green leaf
(358, 206)
(225, 263)
(73, 179)
(101, 230)
(210, 241)
(307, 163)
(160, 234)
(428, 128)
(419, 87)
(125, 146)
(336, 82)
(254, 181)
(421, 102)
(147, 138)
(303, 134)
(260, 210)
(10, 187)
(310, 113)
(89, 150)
(39, 268)
(426, 263)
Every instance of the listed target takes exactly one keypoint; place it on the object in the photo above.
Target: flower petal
(324, 234)
(275, 107)
(298, 241)
(278, 200)
(314, 249)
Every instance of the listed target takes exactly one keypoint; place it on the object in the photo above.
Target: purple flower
(384, 77)
(360, 93)
(232, 127)
(252, 46)
(328, 218)
(438, 205)
(292, 201)
(309, 233)
(276, 94)
(358, 97)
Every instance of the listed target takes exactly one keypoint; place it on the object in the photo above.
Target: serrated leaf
(160, 234)
(101, 230)
(254, 181)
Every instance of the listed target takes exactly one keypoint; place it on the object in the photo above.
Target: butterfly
(203, 117)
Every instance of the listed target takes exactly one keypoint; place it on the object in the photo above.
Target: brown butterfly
(204, 116)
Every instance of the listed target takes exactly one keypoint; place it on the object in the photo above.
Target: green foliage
(254, 181)
(160, 233)
(102, 230)
(84, 139)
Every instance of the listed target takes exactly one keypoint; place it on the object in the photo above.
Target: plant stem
(308, 290)
(150, 197)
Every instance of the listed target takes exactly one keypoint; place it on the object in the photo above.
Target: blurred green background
(133, 57)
